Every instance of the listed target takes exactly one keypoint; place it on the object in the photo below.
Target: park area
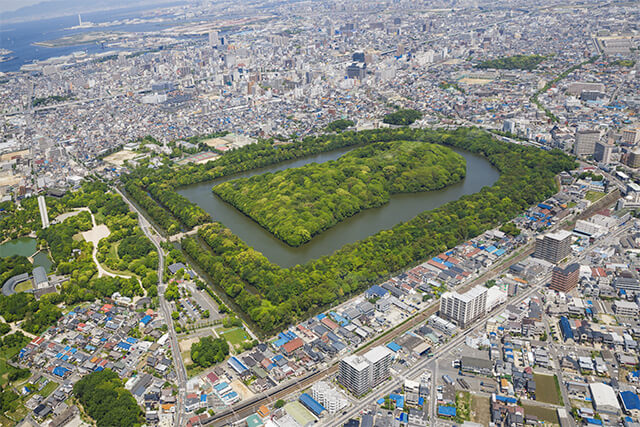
(234, 336)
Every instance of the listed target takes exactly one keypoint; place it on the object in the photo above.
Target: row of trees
(296, 204)
(281, 295)
(105, 399)
(516, 62)
(159, 214)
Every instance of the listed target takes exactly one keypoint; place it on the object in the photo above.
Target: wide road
(413, 372)
(165, 310)
(245, 408)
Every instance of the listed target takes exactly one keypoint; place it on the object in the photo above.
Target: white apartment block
(361, 373)
(332, 399)
(464, 308)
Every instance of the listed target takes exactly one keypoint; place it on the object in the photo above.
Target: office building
(631, 136)
(585, 142)
(464, 308)
(565, 279)
(361, 373)
(358, 57)
(213, 38)
(603, 152)
(633, 159)
(355, 71)
(553, 247)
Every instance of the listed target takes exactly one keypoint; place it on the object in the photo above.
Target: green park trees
(209, 351)
(106, 400)
(296, 204)
(402, 117)
(278, 296)
(516, 62)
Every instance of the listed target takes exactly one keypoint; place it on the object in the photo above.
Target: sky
(10, 5)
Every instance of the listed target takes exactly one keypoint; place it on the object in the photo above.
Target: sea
(20, 37)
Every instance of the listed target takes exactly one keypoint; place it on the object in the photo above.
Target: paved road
(416, 370)
(412, 372)
(165, 309)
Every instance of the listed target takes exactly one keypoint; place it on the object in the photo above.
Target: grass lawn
(235, 336)
(480, 410)
(547, 414)
(48, 389)
(24, 286)
(463, 406)
(594, 196)
(546, 390)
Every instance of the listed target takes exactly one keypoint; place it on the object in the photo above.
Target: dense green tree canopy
(296, 204)
(516, 62)
(402, 117)
(208, 351)
(276, 296)
(12, 266)
(106, 400)
(339, 125)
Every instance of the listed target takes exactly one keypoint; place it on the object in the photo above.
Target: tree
(339, 125)
(106, 400)
(209, 351)
(402, 117)
(516, 62)
(172, 292)
(279, 403)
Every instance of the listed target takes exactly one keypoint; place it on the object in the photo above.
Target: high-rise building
(585, 142)
(464, 308)
(213, 38)
(603, 152)
(565, 279)
(355, 374)
(355, 71)
(553, 247)
(631, 136)
(361, 373)
(633, 158)
(358, 57)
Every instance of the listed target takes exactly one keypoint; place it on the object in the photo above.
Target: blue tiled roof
(311, 404)
(447, 411)
(394, 347)
(630, 400)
